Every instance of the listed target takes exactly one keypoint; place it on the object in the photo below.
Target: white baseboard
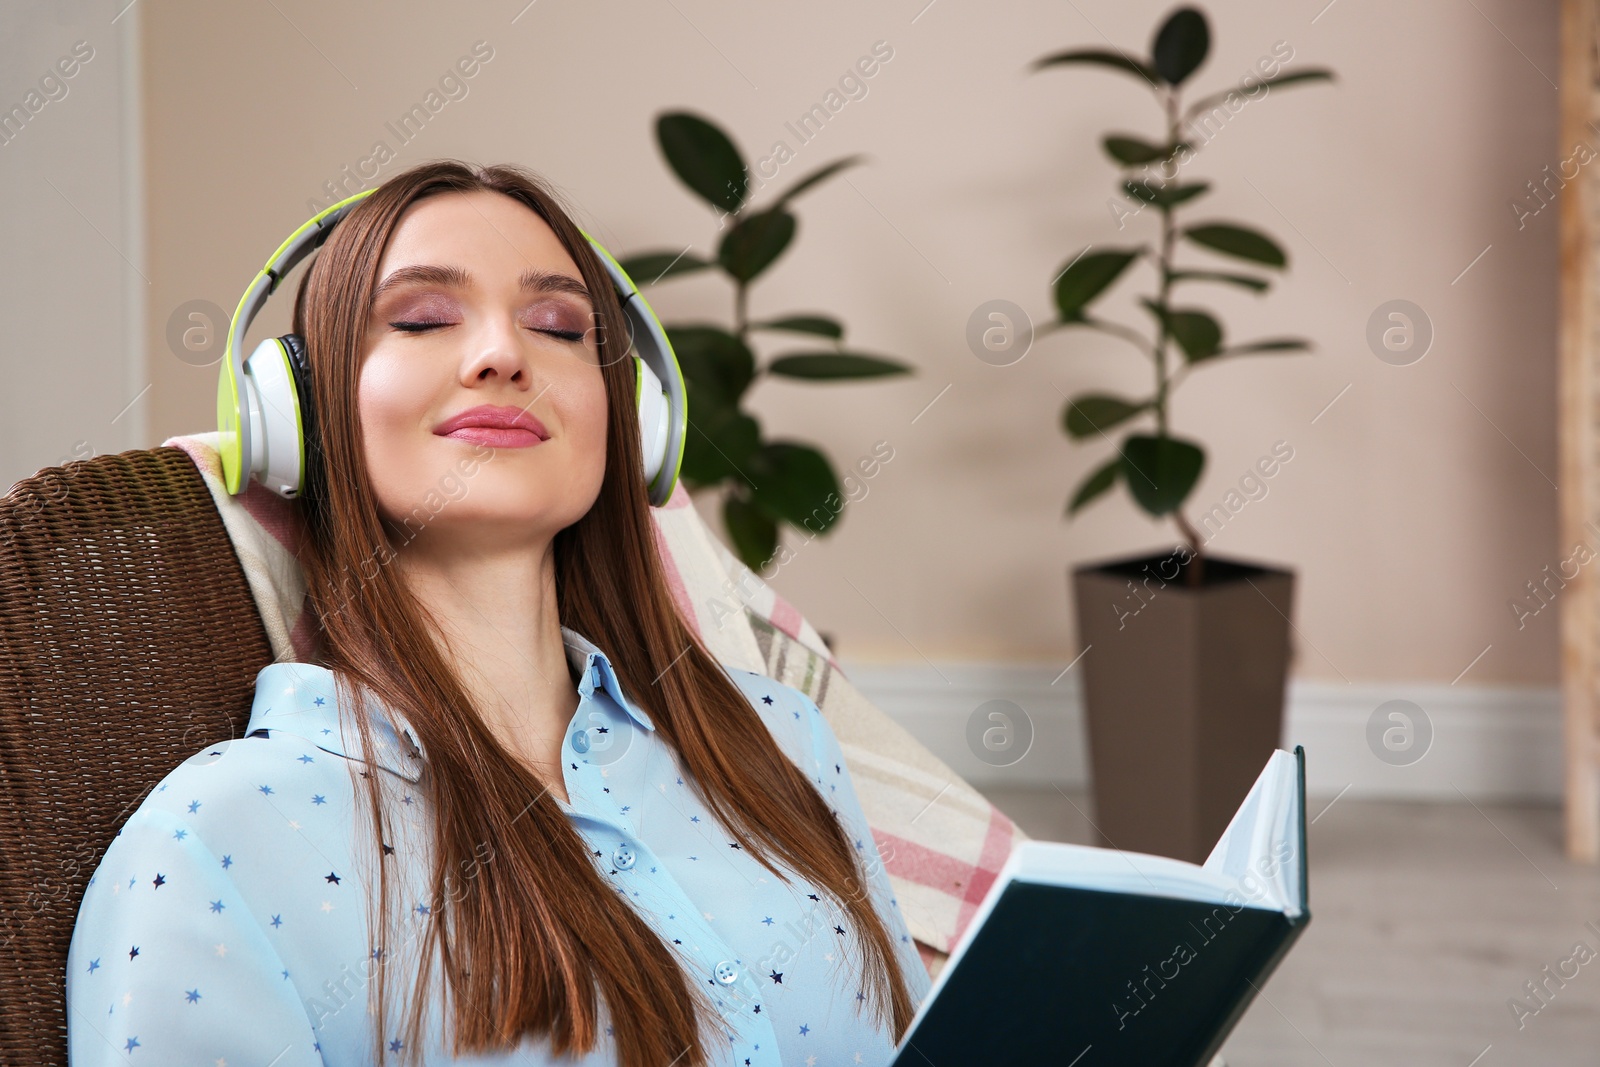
(1501, 743)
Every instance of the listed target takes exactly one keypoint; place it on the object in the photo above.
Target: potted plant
(763, 482)
(1186, 653)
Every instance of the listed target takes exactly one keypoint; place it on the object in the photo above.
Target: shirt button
(727, 973)
(580, 740)
(623, 857)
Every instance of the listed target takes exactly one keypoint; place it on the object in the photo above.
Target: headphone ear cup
(294, 346)
(653, 418)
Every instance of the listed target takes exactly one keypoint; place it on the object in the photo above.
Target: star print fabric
(227, 922)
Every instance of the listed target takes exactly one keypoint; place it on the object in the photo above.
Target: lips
(494, 426)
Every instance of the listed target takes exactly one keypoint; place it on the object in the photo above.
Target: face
(480, 394)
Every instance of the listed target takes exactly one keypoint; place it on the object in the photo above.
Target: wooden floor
(1427, 920)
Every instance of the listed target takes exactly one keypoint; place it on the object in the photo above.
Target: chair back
(128, 642)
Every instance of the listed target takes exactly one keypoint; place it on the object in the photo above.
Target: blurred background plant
(1160, 469)
(765, 481)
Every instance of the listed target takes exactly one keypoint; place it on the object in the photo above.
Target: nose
(497, 353)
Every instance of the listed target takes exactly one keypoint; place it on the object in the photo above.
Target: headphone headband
(299, 245)
(242, 414)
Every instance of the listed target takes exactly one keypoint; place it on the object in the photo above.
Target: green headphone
(264, 406)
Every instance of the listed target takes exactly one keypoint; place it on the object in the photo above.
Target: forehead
(492, 236)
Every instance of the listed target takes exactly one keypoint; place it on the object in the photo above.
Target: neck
(497, 611)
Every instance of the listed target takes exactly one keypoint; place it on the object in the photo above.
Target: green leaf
(795, 483)
(834, 365)
(820, 325)
(1298, 77)
(816, 177)
(1172, 197)
(717, 365)
(703, 158)
(1274, 344)
(1103, 478)
(1244, 280)
(1140, 191)
(752, 246)
(1088, 276)
(1181, 45)
(1197, 333)
(1098, 57)
(1095, 413)
(1132, 150)
(1164, 195)
(1160, 471)
(753, 532)
(1316, 74)
(718, 445)
(648, 267)
(1234, 240)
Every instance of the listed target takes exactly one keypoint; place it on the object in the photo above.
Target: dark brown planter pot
(1183, 692)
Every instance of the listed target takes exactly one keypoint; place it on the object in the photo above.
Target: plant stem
(1169, 171)
(741, 323)
(1196, 574)
(1164, 261)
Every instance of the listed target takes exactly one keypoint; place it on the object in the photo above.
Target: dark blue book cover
(1088, 977)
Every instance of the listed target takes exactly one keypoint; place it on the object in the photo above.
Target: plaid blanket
(941, 841)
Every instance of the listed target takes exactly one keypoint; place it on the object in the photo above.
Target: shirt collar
(300, 699)
(597, 672)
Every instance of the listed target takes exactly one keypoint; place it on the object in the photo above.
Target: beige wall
(73, 377)
(1414, 508)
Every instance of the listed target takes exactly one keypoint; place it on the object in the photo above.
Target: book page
(1255, 862)
(1258, 854)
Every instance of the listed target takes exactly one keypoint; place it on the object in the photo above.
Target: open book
(1094, 957)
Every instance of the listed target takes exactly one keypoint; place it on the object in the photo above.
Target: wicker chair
(128, 641)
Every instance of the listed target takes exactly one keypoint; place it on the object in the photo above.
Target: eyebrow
(539, 281)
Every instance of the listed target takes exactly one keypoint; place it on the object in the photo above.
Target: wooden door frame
(1578, 411)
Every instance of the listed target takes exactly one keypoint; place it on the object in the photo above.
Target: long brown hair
(533, 934)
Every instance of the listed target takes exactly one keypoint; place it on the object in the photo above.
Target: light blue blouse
(226, 924)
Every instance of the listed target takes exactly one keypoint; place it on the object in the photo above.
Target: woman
(515, 760)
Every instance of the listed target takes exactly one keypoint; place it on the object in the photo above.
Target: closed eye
(420, 327)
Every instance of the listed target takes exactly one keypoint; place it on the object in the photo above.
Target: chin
(509, 504)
